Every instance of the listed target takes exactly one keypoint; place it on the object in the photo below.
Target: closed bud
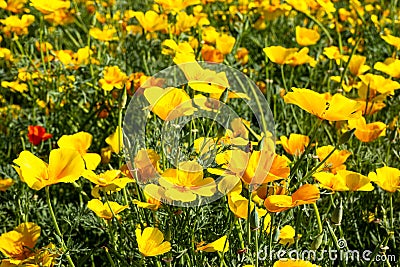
(224, 96)
(254, 220)
(344, 138)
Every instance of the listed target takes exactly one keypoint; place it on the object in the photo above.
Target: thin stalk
(53, 217)
(318, 218)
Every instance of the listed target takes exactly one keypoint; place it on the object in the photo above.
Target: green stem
(53, 217)
(283, 78)
(318, 218)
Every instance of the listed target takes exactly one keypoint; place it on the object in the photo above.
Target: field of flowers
(199, 133)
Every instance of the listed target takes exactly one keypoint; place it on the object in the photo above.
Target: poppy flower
(19, 243)
(37, 134)
(295, 144)
(225, 43)
(324, 106)
(336, 161)
(344, 181)
(146, 163)
(239, 205)
(220, 245)
(81, 142)
(176, 5)
(186, 183)
(373, 84)
(151, 203)
(306, 37)
(107, 34)
(151, 21)
(16, 25)
(390, 66)
(392, 40)
(113, 77)
(183, 23)
(15, 86)
(333, 52)
(367, 132)
(182, 51)
(65, 166)
(104, 211)
(47, 7)
(108, 181)
(5, 184)
(290, 56)
(356, 65)
(115, 140)
(151, 242)
(286, 235)
(306, 194)
(169, 103)
(387, 178)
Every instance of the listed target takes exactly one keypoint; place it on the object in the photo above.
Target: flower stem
(318, 218)
(53, 217)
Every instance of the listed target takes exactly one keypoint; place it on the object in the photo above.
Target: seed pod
(317, 241)
(337, 214)
(254, 220)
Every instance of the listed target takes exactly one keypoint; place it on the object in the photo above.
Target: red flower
(37, 134)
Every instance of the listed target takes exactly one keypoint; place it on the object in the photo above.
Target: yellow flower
(259, 169)
(16, 86)
(6, 54)
(220, 245)
(356, 65)
(108, 181)
(151, 203)
(286, 235)
(5, 184)
(295, 144)
(209, 35)
(112, 77)
(15, 25)
(151, 242)
(187, 182)
(306, 37)
(290, 56)
(239, 205)
(14, 6)
(324, 106)
(306, 194)
(184, 23)
(376, 83)
(107, 34)
(176, 5)
(115, 140)
(104, 211)
(392, 40)
(387, 178)
(182, 52)
(19, 243)
(336, 161)
(60, 17)
(344, 181)
(332, 52)
(367, 132)
(146, 163)
(81, 142)
(151, 21)
(47, 7)
(390, 66)
(299, 5)
(65, 166)
(168, 103)
(225, 43)
(293, 263)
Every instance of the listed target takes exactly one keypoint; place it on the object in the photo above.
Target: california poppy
(151, 242)
(37, 134)
(387, 178)
(103, 209)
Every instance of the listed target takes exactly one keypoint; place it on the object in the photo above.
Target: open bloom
(115, 140)
(104, 211)
(19, 243)
(169, 103)
(186, 183)
(286, 235)
(306, 194)
(65, 166)
(356, 65)
(81, 142)
(108, 181)
(367, 132)
(220, 245)
(113, 77)
(151, 21)
(108, 33)
(146, 163)
(239, 205)
(390, 66)
(47, 7)
(151, 242)
(392, 40)
(290, 56)
(37, 134)
(335, 161)
(344, 181)
(387, 178)
(324, 106)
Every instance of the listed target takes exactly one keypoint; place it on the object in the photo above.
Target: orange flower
(211, 54)
(221, 245)
(5, 184)
(306, 37)
(113, 77)
(367, 132)
(344, 181)
(295, 144)
(324, 106)
(336, 161)
(37, 134)
(306, 194)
